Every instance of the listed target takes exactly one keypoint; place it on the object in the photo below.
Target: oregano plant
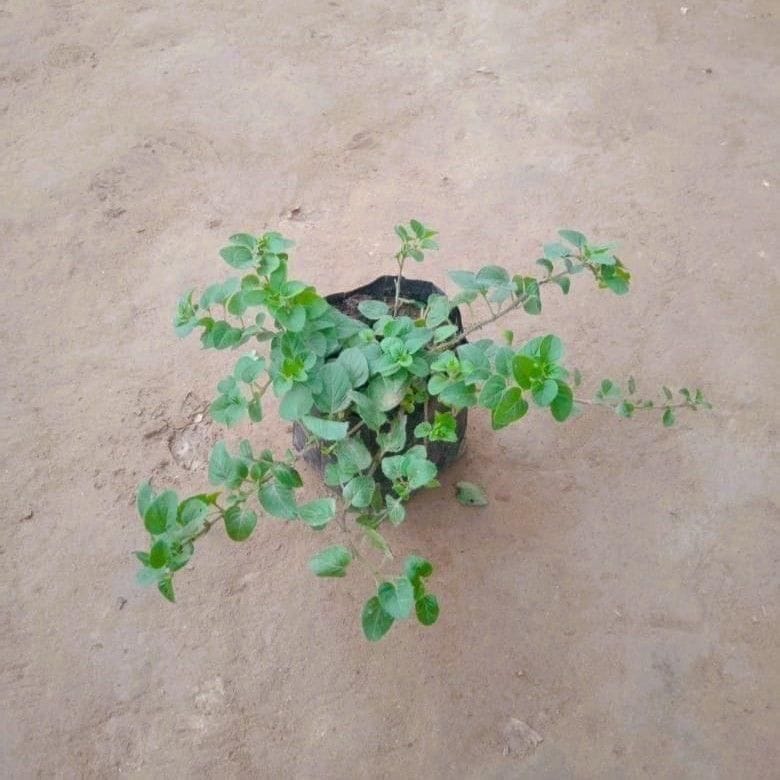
(373, 386)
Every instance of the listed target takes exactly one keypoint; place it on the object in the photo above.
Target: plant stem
(206, 526)
(455, 340)
(654, 407)
(398, 278)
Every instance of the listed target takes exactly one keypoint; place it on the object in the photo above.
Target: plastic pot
(383, 289)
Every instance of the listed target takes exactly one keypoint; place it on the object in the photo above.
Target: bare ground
(619, 597)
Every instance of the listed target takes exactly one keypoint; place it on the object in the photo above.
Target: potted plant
(377, 382)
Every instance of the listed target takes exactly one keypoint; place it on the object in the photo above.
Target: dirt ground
(619, 596)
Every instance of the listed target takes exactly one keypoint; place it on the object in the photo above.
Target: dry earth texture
(614, 612)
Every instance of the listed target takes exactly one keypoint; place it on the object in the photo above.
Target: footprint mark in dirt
(71, 55)
(362, 140)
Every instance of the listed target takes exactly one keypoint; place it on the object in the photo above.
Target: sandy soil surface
(619, 596)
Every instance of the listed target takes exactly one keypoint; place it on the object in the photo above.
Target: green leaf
(467, 280)
(393, 467)
(533, 305)
(492, 391)
(370, 519)
(418, 228)
(387, 391)
(376, 622)
(334, 396)
(617, 285)
(397, 598)
(158, 555)
(377, 540)
(222, 335)
(359, 491)
(564, 283)
(470, 494)
(237, 304)
(192, 512)
(329, 430)
(422, 430)
(149, 576)
(608, 390)
(395, 439)
(546, 264)
(229, 409)
(551, 348)
(227, 385)
(445, 427)
(416, 567)
(244, 239)
(416, 339)
(352, 455)
(218, 293)
(239, 522)
(181, 556)
(631, 385)
(144, 497)
(186, 317)
(563, 403)
(331, 562)
(511, 407)
(573, 237)
(286, 475)
(502, 360)
(420, 472)
(668, 418)
(237, 256)
(437, 383)
(293, 319)
(443, 332)
(616, 277)
(396, 513)
(373, 310)
(165, 586)
(438, 312)
(161, 513)
(528, 287)
(492, 275)
(667, 393)
(458, 394)
(295, 403)
(221, 464)
(427, 609)
(400, 231)
(278, 500)
(544, 394)
(601, 255)
(277, 243)
(255, 408)
(555, 251)
(248, 368)
(355, 364)
(474, 359)
(318, 513)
